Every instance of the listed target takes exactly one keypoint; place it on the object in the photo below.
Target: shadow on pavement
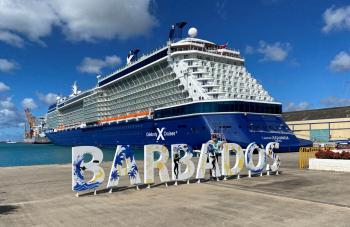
(7, 209)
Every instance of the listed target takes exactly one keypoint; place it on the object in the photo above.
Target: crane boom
(30, 118)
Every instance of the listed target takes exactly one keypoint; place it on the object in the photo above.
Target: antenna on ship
(176, 31)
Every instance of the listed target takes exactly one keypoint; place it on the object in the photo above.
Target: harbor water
(20, 154)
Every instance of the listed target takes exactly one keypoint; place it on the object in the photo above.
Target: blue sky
(298, 50)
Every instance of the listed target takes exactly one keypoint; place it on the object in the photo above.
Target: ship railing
(190, 47)
(144, 56)
(210, 50)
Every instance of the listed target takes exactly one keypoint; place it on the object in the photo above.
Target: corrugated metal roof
(328, 113)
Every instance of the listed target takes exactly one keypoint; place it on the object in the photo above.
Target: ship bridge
(205, 46)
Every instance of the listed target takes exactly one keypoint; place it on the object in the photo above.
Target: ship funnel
(132, 56)
(176, 30)
(75, 88)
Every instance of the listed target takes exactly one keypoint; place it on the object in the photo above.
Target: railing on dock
(305, 153)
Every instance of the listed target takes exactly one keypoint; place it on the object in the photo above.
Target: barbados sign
(124, 164)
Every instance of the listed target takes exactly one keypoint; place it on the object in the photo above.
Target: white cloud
(341, 62)
(104, 19)
(48, 99)
(249, 50)
(333, 101)
(4, 87)
(78, 19)
(93, 65)
(6, 103)
(274, 52)
(221, 9)
(294, 63)
(9, 115)
(336, 19)
(7, 65)
(11, 39)
(31, 18)
(291, 106)
(29, 103)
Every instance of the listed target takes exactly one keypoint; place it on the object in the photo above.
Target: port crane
(31, 123)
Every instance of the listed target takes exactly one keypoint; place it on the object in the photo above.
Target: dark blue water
(42, 154)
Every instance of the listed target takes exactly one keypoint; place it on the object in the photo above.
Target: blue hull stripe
(192, 130)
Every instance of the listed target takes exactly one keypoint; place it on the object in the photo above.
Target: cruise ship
(179, 93)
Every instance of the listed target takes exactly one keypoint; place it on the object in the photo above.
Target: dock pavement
(42, 196)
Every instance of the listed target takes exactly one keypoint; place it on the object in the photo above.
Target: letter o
(249, 158)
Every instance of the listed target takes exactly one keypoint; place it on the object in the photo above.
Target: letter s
(276, 160)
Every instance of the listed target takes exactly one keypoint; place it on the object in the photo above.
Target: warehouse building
(320, 125)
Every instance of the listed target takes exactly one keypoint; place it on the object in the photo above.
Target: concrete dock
(42, 196)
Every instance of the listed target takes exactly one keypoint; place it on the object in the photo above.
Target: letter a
(203, 165)
(124, 153)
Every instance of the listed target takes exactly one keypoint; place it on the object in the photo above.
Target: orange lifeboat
(125, 116)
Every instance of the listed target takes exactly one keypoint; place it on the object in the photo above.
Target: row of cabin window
(220, 107)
